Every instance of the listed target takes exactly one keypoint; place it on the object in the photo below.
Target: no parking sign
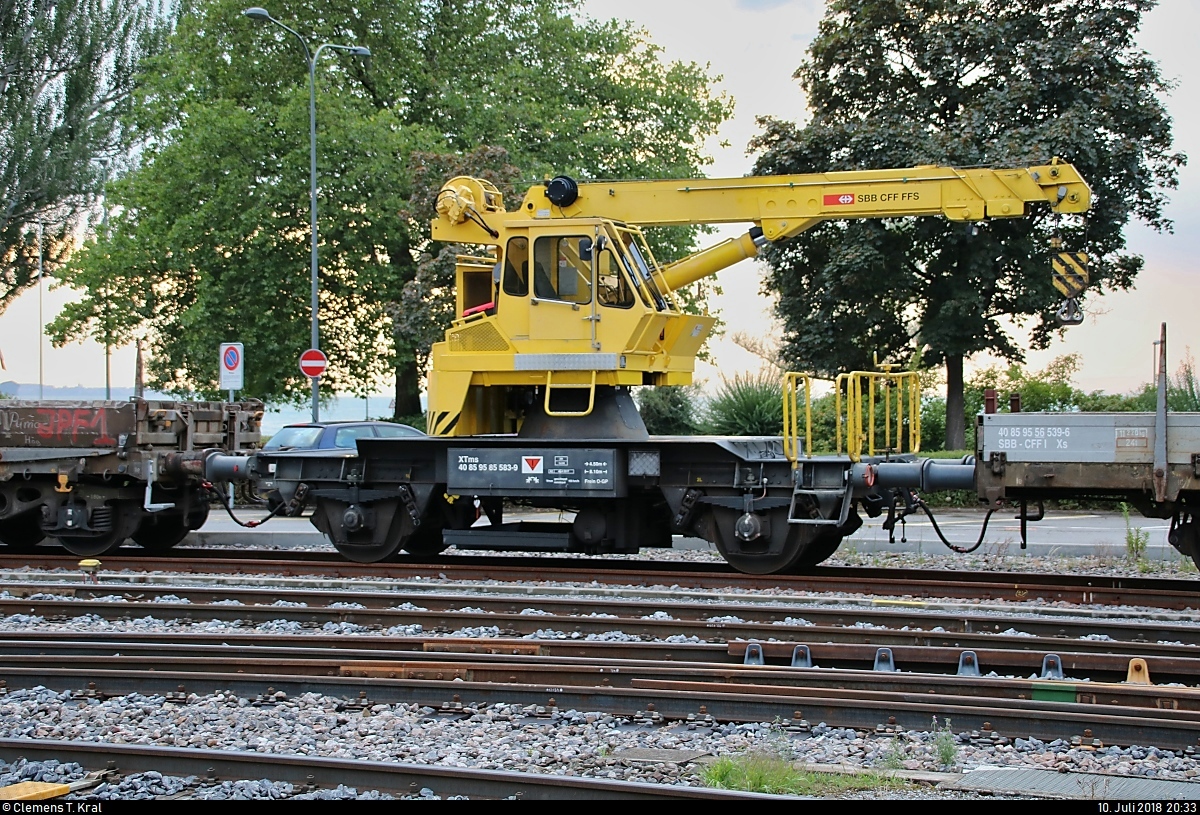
(233, 366)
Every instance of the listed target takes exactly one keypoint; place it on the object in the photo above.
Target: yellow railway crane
(559, 315)
(569, 307)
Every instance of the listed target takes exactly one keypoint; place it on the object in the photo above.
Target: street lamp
(257, 13)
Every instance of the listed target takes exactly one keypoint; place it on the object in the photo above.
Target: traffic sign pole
(312, 364)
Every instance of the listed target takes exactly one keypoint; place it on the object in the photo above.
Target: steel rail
(405, 778)
(522, 624)
(1002, 586)
(919, 615)
(869, 711)
(912, 658)
(557, 671)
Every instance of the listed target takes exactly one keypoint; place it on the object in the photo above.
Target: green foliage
(933, 424)
(211, 242)
(746, 405)
(945, 744)
(67, 71)
(825, 420)
(416, 420)
(1183, 391)
(1135, 537)
(764, 772)
(1050, 389)
(893, 759)
(669, 411)
(964, 83)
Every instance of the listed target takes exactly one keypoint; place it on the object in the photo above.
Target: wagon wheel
(125, 523)
(770, 554)
(820, 549)
(158, 532)
(22, 534)
(1186, 538)
(425, 541)
(827, 541)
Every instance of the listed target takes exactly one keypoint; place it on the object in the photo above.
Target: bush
(747, 405)
(416, 420)
(668, 411)
(933, 424)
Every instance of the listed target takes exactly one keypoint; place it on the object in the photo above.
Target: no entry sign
(313, 363)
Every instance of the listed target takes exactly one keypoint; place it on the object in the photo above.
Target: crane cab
(559, 310)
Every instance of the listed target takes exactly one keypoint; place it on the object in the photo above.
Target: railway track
(1006, 587)
(1104, 654)
(688, 693)
(379, 608)
(309, 772)
(605, 665)
(533, 649)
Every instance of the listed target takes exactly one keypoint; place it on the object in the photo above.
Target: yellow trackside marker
(1138, 673)
(33, 791)
(905, 603)
(1070, 273)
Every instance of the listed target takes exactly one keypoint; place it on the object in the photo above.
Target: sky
(755, 46)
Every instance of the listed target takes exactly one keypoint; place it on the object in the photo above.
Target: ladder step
(844, 494)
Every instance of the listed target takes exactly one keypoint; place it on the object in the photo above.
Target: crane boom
(787, 205)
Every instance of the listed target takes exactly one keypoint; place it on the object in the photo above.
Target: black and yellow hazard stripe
(1070, 273)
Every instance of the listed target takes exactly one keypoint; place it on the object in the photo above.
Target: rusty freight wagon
(93, 474)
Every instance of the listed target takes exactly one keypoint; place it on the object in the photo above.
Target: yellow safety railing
(863, 391)
(791, 413)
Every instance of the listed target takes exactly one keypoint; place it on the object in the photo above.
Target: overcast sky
(756, 45)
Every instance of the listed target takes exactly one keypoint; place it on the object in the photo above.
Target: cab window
(516, 267)
(612, 285)
(562, 268)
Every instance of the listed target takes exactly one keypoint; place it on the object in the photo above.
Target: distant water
(340, 408)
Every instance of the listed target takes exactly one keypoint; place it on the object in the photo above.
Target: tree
(67, 70)
(894, 83)
(212, 242)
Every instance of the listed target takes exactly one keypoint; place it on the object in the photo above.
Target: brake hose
(983, 530)
(208, 486)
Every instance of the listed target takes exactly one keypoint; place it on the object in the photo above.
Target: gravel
(500, 736)
(509, 736)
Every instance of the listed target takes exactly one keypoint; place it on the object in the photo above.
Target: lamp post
(107, 325)
(257, 13)
(41, 319)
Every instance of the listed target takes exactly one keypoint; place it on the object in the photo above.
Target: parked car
(329, 435)
(326, 436)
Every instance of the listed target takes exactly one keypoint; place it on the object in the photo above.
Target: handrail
(791, 441)
(865, 385)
